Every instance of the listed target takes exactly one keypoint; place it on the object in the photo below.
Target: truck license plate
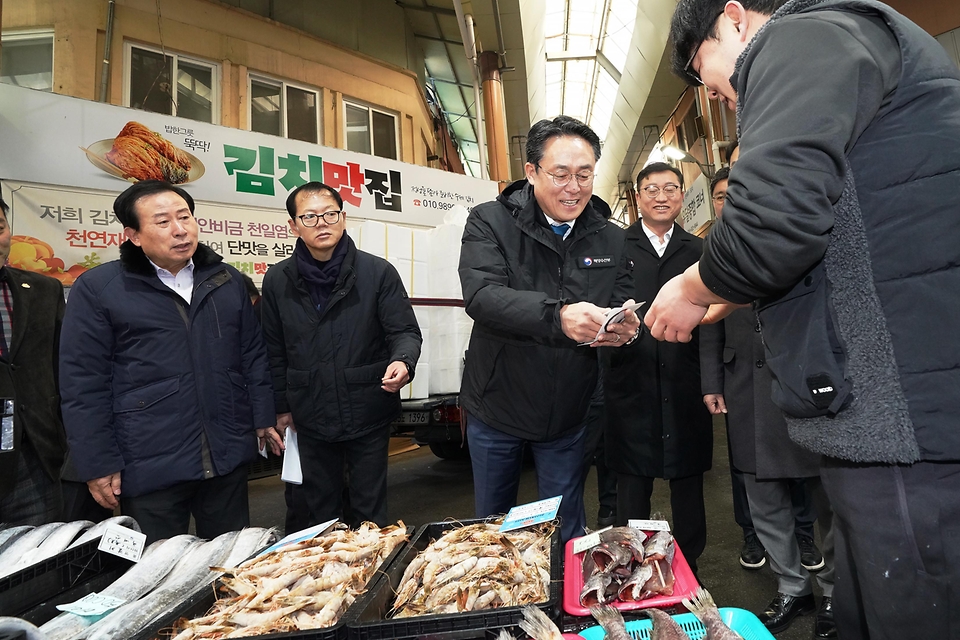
(414, 417)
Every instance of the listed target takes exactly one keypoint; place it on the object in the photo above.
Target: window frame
(35, 34)
(215, 76)
(370, 110)
(271, 80)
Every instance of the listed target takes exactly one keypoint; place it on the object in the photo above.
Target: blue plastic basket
(743, 622)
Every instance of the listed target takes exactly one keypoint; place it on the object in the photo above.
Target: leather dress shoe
(606, 517)
(825, 627)
(783, 609)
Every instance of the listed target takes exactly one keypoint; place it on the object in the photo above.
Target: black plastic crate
(33, 592)
(199, 603)
(368, 618)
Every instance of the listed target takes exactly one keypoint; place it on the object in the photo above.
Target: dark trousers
(497, 461)
(35, 498)
(897, 549)
(218, 505)
(686, 504)
(363, 459)
(594, 454)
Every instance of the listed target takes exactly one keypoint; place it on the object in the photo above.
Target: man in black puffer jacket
(841, 219)
(538, 267)
(342, 340)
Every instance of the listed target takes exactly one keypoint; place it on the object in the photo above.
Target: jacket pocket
(242, 418)
(803, 349)
(300, 397)
(369, 404)
(148, 421)
(146, 396)
(729, 353)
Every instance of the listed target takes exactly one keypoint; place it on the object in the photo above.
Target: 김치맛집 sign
(94, 148)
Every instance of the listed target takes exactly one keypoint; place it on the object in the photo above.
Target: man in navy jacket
(164, 378)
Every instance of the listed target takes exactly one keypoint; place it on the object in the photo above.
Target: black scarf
(320, 277)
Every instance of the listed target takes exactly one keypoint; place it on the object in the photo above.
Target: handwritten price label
(123, 542)
(530, 514)
(92, 604)
(649, 525)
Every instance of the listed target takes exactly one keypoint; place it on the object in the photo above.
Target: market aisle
(424, 488)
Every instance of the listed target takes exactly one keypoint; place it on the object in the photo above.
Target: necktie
(560, 229)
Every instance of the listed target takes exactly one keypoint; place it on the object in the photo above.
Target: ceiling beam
(455, 82)
(426, 9)
(563, 56)
(436, 39)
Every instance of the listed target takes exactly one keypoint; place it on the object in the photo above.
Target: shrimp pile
(307, 585)
(477, 567)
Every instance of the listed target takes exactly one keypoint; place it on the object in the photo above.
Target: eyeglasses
(720, 198)
(563, 179)
(686, 68)
(313, 219)
(653, 190)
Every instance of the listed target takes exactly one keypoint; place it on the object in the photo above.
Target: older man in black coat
(657, 425)
(32, 442)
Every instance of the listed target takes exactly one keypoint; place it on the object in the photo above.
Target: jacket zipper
(205, 460)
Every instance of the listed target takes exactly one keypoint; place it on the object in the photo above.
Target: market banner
(63, 231)
(59, 140)
(66, 160)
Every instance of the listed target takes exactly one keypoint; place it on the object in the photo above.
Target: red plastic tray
(684, 587)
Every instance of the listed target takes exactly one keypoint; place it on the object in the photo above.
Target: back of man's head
(658, 167)
(124, 207)
(545, 129)
(693, 22)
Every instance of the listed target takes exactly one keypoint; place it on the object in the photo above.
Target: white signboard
(66, 141)
(696, 205)
(72, 154)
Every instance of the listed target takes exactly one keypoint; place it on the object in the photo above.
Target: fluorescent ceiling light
(674, 154)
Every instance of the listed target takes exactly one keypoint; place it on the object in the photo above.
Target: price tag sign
(588, 541)
(530, 514)
(92, 604)
(123, 542)
(300, 536)
(649, 525)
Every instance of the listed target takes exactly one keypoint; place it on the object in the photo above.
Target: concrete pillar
(494, 116)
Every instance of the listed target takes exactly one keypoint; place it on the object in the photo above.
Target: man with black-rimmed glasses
(342, 339)
(657, 425)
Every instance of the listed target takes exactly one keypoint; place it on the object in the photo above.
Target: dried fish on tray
(477, 567)
(477, 579)
(306, 585)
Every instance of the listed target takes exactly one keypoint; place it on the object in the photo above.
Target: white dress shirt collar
(658, 246)
(181, 283)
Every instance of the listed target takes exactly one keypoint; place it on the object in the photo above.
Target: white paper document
(291, 459)
(613, 317)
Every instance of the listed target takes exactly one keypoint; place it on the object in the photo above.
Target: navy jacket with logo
(523, 376)
(163, 391)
